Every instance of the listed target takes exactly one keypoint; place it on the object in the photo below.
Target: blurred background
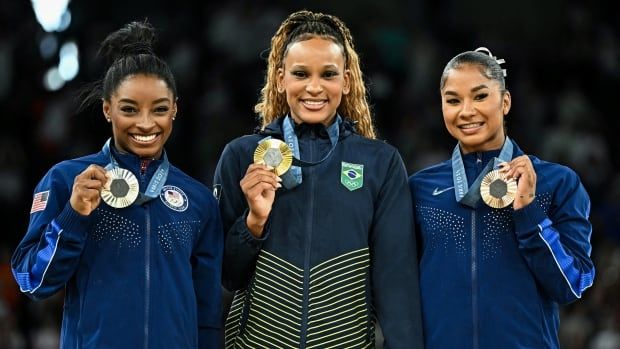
(563, 61)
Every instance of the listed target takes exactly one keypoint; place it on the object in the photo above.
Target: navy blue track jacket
(144, 276)
(331, 258)
(493, 278)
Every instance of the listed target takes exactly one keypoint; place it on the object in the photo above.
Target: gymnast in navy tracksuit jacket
(494, 277)
(142, 276)
(317, 259)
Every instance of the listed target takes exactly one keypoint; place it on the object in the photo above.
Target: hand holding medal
(522, 171)
(87, 186)
(272, 158)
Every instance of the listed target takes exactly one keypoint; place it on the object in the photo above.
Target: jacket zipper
(147, 277)
(308, 245)
(147, 261)
(474, 280)
(474, 265)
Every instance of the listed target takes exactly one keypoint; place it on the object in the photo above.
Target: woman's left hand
(522, 170)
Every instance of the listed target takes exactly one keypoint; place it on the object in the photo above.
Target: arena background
(563, 61)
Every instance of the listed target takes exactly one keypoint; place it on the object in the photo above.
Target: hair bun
(499, 61)
(133, 39)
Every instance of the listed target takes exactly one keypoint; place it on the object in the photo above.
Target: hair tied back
(499, 61)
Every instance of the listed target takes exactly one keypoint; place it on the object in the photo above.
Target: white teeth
(472, 125)
(148, 138)
(314, 102)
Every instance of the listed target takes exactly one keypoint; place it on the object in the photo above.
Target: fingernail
(278, 185)
(278, 179)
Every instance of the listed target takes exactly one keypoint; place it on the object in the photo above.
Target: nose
(145, 120)
(468, 109)
(314, 86)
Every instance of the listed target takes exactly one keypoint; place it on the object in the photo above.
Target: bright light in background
(52, 14)
(69, 64)
(52, 80)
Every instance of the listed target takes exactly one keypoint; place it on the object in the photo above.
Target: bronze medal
(497, 191)
(274, 153)
(122, 188)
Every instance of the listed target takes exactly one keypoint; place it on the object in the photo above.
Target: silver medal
(122, 188)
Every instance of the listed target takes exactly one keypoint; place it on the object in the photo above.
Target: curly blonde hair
(304, 25)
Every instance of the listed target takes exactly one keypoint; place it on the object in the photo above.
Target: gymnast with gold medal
(320, 247)
(504, 236)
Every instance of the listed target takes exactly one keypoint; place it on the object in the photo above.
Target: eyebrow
(131, 101)
(475, 89)
(301, 65)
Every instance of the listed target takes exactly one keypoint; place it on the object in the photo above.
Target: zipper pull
(144, 163)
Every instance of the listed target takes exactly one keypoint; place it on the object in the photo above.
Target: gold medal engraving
(275, 153)
(122, 188)
(497, 191)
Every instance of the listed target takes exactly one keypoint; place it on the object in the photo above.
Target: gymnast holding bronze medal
(505, 235)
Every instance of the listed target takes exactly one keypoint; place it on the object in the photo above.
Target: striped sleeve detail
(338, 314)
(577, 281)
(30, 281)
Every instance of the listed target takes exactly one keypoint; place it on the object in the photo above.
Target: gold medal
(497, 191)
(122, 188)
(275, 153)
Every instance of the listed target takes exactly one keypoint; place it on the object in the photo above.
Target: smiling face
(141, 111)
(473, 108)
(314, 79)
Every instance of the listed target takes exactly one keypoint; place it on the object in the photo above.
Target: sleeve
(241, 248)
(557, 248)
(207, 274)
(49, 254)
(394, 264)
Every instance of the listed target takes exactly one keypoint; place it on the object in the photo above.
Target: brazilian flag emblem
(352, 175)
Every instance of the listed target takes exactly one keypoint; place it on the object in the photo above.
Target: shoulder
(193, 187)
(431, 171)
(554, 172)
(242, 144)
(68, 169)
(372, 147)
(556, 178)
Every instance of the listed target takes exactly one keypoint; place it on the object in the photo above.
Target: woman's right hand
(85, 195)
(259, 186)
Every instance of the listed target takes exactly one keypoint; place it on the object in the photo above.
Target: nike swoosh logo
(437, 191)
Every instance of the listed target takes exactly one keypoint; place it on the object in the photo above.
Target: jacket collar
(133, 163)
(274, 129)
(485, 156)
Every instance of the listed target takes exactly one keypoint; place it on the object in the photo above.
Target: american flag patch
(40, 201)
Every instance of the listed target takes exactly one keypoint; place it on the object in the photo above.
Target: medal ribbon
(155, 184)
(471, 196)
(293, 177)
